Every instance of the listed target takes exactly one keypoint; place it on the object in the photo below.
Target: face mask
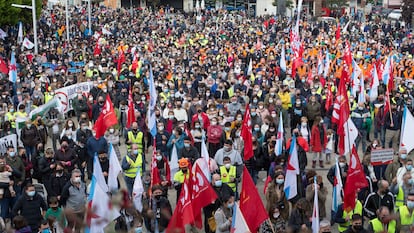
(70, 124)
(271, 101)
(257, 129)
(198, 126)
(111, 130)
(280, 181)
(186, 145)
(218, 183)
(276, 215)
(239, 118)
(304, 124)
(93, 134)
(230, 205)
(227, 165)
(342, 164)
(403, 156)
(29, 125)
(47, 230)
(11, 110)
(85, 128)
(171, 117)
(227, 128)
(221, 113)
(411, 181)
(31, 193)
(410, 204)
(159, 157)
(138, 230)
(274, 115)
(77, 180)
(254, 114)
(409, 167)
(135, 152)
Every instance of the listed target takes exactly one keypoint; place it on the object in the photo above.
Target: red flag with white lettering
(3, 67)
(203, 193)
(106, 119)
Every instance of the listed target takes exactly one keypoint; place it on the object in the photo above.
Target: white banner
(67, 94)
(10, 140)
(382, 156)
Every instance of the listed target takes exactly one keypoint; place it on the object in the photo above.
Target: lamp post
(33, 8)
(67, 20)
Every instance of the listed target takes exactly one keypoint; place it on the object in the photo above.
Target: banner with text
(67, 94)
(382, 157)
(9, 140)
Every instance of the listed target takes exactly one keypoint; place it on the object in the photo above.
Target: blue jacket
(94, 145)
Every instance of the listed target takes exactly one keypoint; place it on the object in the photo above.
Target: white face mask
(276, 215)
(227, 165)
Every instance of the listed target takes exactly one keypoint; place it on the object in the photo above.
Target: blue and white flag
(279, 137)
(291, 185)
(13, 68)
(152, 124)
(337, 188)
(283, 59)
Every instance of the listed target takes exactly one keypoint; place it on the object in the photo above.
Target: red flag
(121, 60)
(338, 32)
(183, 213)
(188, 133)
(246, 134)
(329, 98)
(97, 49)
(348, 61)
(155, 175)
(203, 193)
(341, 99)
(131, 110)
(3, 67)
(251, 205)
(106, 119)
(355, 180)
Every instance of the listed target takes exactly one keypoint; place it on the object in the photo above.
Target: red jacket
(206, 121)
(315, 141)
(214, 133)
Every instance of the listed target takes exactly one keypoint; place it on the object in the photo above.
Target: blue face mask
(409, 167)
(47, 230)
(135, 152)
(254, 114)
(31, 193)
(218, 183)
(138, 229)
(186, 145)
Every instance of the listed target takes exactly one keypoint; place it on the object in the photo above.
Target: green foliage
(12, 15)
(336, 4)
(407, 10)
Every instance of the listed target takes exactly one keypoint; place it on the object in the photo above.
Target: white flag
(351, 134)
(283, 59)
(407, 130)
(114, 169)
(137, 192)
(106, 31)
(373, 93)
(97, 173)
(250, 68)
(3, 34)
(174, 163)
(20, 33)
(27, 43)
(315, 215)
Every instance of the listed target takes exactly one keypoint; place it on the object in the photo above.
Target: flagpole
(389, 105)
(271, 225)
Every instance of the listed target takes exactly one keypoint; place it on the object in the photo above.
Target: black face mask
(358, 227)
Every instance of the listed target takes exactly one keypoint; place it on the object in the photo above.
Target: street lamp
(33, 8)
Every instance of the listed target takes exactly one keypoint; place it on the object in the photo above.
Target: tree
(407, 10)
(336, 4)
(12, 15)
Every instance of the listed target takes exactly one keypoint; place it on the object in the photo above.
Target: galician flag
(238, 223)
(27, 43)
(407, 130)
(291, 185)
(114, 169)
(279, 137)
(315, 214)
(283, 59)
(373, 92)
(337, 188)
(13, 68)
(152, 124)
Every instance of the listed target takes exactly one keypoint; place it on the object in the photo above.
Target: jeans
(381, 132)
(6, 204)
(130, 184)
(253, 173)
(361, 137)
(30, 151)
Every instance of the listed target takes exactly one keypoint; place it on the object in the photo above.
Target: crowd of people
(200, 65)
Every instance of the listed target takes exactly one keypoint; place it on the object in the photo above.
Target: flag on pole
(137, 191)
(320, 63)
(106, 31)
(337, 188)
(250, 68)
(3, 34)
(42, 110)
(174, 168)
(291, 185)
(355, 180)
(238, 223)
(246, 134)
(283, 59)
(345, 29)
(20, 33)
(114, 169)
(98, 174)
(202, 194)
(106, 119)
(338, 31)
(279, 137)
(250, 200)
(206, 160)
(373, 92)
(27, 43)
(329, 98)
(100, 212)
(315, 214)
(361, 96)
(13, 68)
(327, 64)
(131, 110)
(152, 124)
(407, 130)
(3, 66)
